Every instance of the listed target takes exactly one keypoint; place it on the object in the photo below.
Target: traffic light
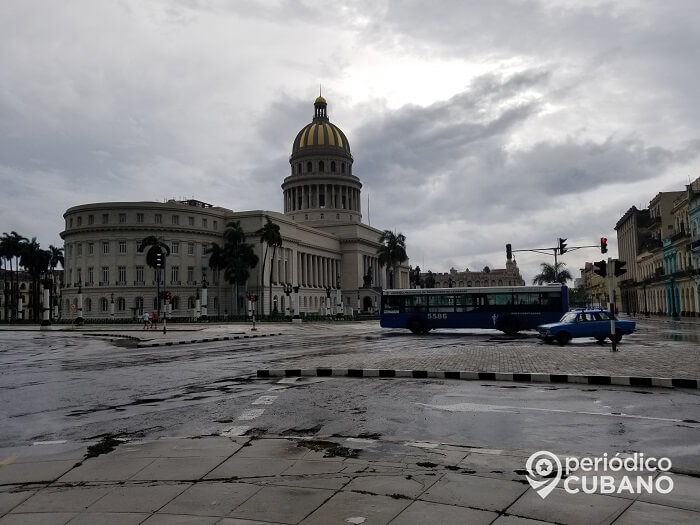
(619, 267)
(160, 259)
(167, 296)
(509, 252)
(603, 245)
(251, 298)
(601, 268)
(562, 246)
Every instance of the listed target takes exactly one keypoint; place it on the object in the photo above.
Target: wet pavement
(202, 440)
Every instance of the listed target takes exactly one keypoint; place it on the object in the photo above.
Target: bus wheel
(508, 325)
(563, 338)
(415, 325)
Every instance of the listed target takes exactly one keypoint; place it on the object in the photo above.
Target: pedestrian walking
(146, 321)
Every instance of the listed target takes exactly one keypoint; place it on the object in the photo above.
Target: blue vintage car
(584, 323)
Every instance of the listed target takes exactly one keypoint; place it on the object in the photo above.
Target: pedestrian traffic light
(619, 267)
(603, 245)
(251, 298)
(167, 296)
(601, 268)
(509, 252)
(562, 246)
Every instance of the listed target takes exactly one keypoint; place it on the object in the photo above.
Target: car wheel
(508, 325)
(415, 325)
(563, 338)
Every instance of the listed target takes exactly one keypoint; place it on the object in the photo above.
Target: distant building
(324, 243)
(508, 276)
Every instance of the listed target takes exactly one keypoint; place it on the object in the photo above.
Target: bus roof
(473, 289)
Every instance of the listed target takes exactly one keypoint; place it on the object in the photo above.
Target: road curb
(205, 340)
(661, 382)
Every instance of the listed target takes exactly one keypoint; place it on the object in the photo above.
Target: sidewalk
(305, 480)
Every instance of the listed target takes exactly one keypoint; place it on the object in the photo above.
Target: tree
(547, 274)
(152, 245)
(392, 252)
(35, 261)
(272, 238)
(430, 280)
(217, 261)
(238, 257)
(12, 245)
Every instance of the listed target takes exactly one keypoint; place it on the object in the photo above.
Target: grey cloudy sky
(472, 123)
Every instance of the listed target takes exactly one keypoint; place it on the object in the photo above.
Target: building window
(121, 304)
(190, 248)
(88, 305)
(139, 274)
(70, 222)
(176, 219)
(204, 273)
(190, 221)
(158, 218)
(205, 248)
(104, 305)
(139, 218)
(80, 221)
(91, 219)
(122, 218)
(91, 248)
(321, 166)
(204, 223)
(190, 302)
(190, 274)
(122, 246)
(174, 274)
(80, 248)
(175, 302)
(105, 218)
(80, 275)
(308, 167)
(122, 275)
(105, 247)
(105, 274)
(91, 276)
(342, 167)
(299, 168)
(175, 248)
(332, 166)
(216, 225)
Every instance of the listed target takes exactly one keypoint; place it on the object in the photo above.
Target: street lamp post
(203, 316)
(287, 289)
(295, 305)
(46, 306)
(339, 298)
(328, 301)
(111, 305)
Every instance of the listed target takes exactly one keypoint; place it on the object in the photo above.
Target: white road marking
(251, 413)
(264, 400)
(420, 444)
(479, 407)
(57, 442)
(235, 431)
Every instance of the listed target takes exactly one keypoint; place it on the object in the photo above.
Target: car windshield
(569, 317)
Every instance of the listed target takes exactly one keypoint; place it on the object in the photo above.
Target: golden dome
(320, 133)
(320, 99)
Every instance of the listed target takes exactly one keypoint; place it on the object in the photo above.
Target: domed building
(327, 251)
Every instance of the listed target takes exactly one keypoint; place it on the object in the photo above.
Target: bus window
(551, 301)
(464, 302)
(527, 302)
(416, 303)
(441, 303)
(500, 299)
(393, 302)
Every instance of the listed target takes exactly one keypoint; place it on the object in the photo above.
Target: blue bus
(505, 308)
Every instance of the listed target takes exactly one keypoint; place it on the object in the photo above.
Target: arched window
(332, 166)
(88, 305)
(500, 283)
(104, 304)
(469, 283)
(321, 166)
(216, 303)
(477, 283)
(299, 168)
(342, 167)
(121, 304)
(138, 303)
(308, 167)
(175, 301)
(190, 302)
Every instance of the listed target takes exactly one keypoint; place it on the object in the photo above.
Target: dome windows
(321, 166)
(309, 167)
(332, 166)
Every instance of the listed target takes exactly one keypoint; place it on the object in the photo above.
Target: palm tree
(12, 244)
(549, 271)
(238, 257)
(155, 246)
(392, 252)
(272, 238)
(35, 261)
(217, 261)
(56, 259)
